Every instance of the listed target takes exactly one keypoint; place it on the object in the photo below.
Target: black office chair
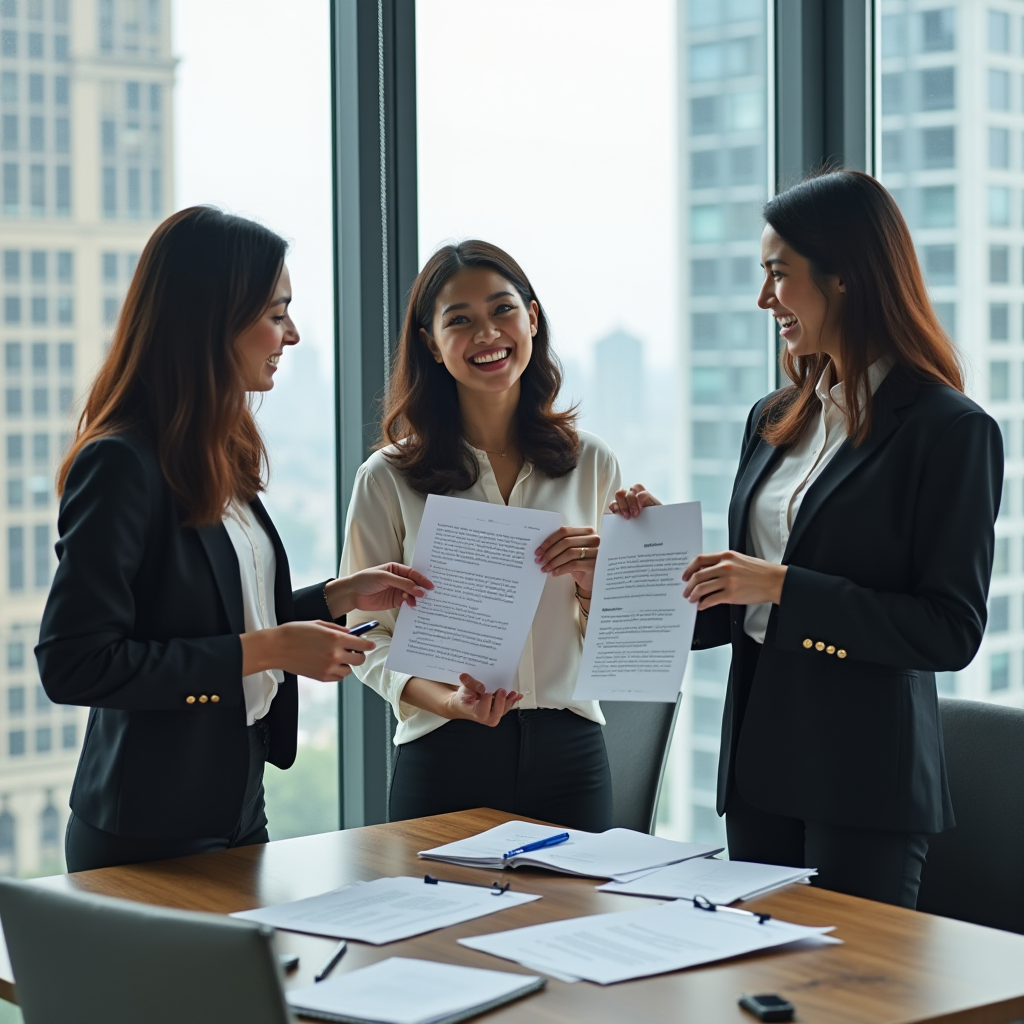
(637, 735)
(96, 960)
(975, 872)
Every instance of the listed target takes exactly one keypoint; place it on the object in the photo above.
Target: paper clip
(703, 903)
(497, 889)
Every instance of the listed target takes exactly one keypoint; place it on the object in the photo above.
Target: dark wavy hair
(422, 406)
(847, 225)
(172, 372)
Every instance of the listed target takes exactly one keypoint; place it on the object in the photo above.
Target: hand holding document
(721, 881)
(386, 909)
(403, 991)
(487, 587)
(640, 627)
(607, 948)
(618, 853)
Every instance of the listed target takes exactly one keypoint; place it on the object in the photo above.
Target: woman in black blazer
(861, 541)
(171, 614)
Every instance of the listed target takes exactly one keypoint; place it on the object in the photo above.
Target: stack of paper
(619, 853)
(402, 991)
(606, 948)
(386, 909)
(720, 881)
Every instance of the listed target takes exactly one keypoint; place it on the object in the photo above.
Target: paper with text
(640, 626)
(480, 558)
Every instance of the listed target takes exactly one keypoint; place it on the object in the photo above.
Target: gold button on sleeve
(830, 649)
(190, 699)
(808, 643)
(214, 698)
(819, 646)
(203, 699)
(840, 654)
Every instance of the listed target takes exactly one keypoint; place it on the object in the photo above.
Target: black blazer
(142, 625)
(890, 560)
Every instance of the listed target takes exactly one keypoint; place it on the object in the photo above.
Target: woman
(171, 613)
(861, 541)
(470, 413)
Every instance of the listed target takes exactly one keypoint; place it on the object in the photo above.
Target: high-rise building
(86, 153)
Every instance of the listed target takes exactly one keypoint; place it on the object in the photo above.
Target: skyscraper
(86, 149)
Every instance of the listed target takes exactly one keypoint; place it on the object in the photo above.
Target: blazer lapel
(897, 390)
(224, 562)
(764, 457)
(283, 603)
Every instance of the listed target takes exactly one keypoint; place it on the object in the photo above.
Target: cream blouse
(383, 523)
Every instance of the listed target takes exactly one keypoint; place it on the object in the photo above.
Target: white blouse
(257, 564)
(383, 523)
(777, 500)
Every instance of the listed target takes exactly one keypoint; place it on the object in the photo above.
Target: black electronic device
(768, 1007)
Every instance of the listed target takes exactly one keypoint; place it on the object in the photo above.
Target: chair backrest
(637, 735)
(85, 958)
(975, 872)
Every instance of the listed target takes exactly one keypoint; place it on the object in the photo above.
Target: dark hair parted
(847, 225)
(172, 372)
(422, 407)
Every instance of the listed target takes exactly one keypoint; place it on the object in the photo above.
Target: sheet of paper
(606, 948)
(618, 853)
(385, 910)
(400, 990)
(480, 558)
(640, 626)
(721, 881)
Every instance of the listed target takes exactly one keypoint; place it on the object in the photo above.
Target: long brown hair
(172, 372)
(847, 225)
(422, 407)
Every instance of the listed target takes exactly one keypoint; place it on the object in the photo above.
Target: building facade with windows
(85, 147)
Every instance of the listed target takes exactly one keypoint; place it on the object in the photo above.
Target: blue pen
(541, 844)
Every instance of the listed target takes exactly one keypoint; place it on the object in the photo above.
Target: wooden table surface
(894, 965)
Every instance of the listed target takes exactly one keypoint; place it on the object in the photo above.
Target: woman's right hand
(472, 701)
(318, 650)
(628, 504)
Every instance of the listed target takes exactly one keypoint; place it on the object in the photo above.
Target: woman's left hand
(571, 549)
(731, 578)
(377, 589)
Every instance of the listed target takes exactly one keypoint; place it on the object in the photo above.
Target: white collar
(833, 395)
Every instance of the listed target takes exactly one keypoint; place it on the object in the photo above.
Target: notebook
(400, 990)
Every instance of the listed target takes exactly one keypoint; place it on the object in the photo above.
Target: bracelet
(326, 602)
(580, 599)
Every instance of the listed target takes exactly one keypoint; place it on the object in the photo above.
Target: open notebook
(403, 991)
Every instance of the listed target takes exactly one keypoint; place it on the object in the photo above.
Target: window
(938, 206)
(999, 32)
(44, 739)
(12, 266)
(12, 356)
(16, 743)
(15, 449)
(999, 148)
(9, 138)
(1001, 560)
(61, 90)
(40, 402)
(63, 190)
(65, 357)
(707, 716)
(999, 321)
(16, 700)
(999, 671)
(939, 263)
(109, 264)
(15, 558)
(704, 168)
(999, 614)
(109, 192)
(998, 89)
(704, 114)
(705, 770)
(999, 381)
(999, 264)
(12, 188)
(937, 88)
(938, 147)
(65, 267)
(12, 402)
(892, 93)
(42, 553)
(998, 206)
(69, 736)
(937, 30)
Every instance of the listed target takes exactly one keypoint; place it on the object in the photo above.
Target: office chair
(637, 735)
(975, 872)
(85, 958)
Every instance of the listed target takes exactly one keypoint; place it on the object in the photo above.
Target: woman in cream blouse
(470, 413)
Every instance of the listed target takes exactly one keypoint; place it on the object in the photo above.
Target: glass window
(69, 736)
(705, 770)
(938, 147)
(937, 88)
(15, 655)
(16, 742)
(999, 31)
(44, 739)
(15, 449)
(999, 148)
(999, 671)
(999, 613)
(1001, 560)
(998, 206)
(12, 356)
(938, 206)
(15, 558)
(999, 264)
(999, 380)
(999, 321)
(998, 89)
(937, 30)
(16, 700)
(939, 263)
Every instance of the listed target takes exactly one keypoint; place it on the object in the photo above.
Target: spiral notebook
(400, 990)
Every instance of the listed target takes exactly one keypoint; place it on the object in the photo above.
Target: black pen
(339, 952)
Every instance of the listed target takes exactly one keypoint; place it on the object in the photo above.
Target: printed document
(619, 853)
(385, 910)
(720, 881)
(480, 558)
(607, 948)
(400, 990)
(640, 626)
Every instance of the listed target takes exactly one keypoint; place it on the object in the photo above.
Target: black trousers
(87, 847)
(882, 866)
(542, 763)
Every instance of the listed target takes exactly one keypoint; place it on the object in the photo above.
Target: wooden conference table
(894, 965)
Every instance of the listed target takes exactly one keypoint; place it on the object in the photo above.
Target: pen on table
(541, 844)
(703, 903)
(339, 952)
